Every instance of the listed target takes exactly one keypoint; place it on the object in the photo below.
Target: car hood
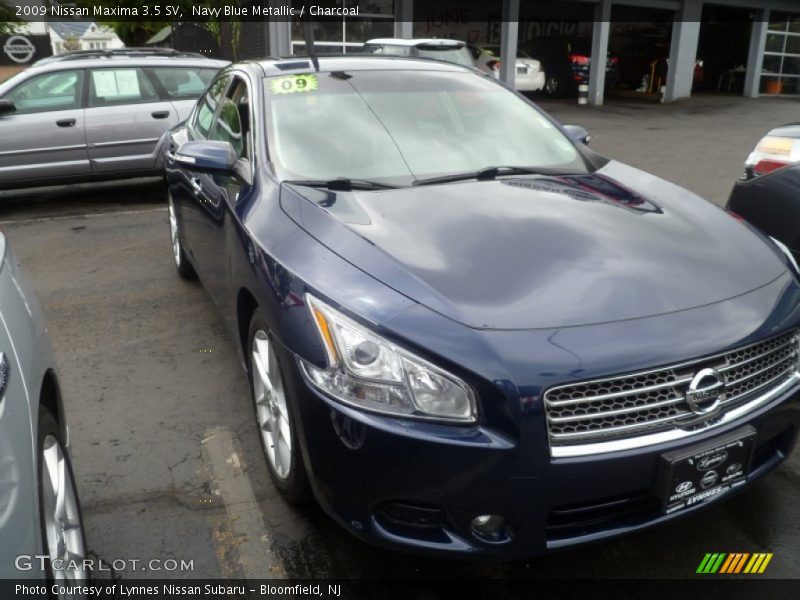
(542, 252)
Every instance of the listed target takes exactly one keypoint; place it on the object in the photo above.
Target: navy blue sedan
(465, 332)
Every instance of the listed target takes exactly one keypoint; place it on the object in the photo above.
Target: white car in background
(530, 76)
(443, 49)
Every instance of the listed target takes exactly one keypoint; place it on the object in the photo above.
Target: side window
(110, 87)
(208, 106)
(184, 83)
(59, 90)
(233, 121)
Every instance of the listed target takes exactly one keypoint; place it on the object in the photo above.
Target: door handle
(66, 123)
(160, 114)
(170, 155)
(197, 187)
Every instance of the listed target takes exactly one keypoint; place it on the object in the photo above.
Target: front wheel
(63, 536)
(552, 86)
(274, 412)
(185, 268)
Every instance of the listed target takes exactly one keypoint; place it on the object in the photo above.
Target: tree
(136, 33)
(8, 20)
(71, 44)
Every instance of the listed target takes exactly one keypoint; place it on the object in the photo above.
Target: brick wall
(7, 71)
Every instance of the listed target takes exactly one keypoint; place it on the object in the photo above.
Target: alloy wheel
(272, 412)
(551, 86)
(62, 519)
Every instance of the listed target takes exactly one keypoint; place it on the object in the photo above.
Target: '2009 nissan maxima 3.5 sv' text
(465, 332)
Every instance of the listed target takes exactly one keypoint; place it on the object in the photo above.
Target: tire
(182, 264)
(552, 86)
(275, 414)
(63, 535)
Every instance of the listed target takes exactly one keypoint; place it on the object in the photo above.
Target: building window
(780, 72)
(375, 19)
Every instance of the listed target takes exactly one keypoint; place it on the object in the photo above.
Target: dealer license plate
(702, 473)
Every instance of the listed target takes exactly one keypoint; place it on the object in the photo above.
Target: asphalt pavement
(165, 450)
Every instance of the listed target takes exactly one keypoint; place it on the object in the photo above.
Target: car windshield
(396, 127)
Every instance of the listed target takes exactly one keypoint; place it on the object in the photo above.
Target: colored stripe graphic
(711, 562)
(741, 562)
(758, 563)
(734, 563)
(729, 562)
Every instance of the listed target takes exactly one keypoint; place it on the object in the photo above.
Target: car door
(218, 194)
(125, 118)
(44, 137)
(184, 184)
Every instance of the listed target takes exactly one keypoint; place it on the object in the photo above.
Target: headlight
(367, 371)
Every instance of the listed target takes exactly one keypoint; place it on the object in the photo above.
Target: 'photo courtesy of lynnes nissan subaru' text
(334, 300)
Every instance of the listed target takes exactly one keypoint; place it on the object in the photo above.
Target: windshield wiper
(489, 173)
(344, 184)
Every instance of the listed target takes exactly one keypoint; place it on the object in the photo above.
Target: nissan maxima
(465, 332)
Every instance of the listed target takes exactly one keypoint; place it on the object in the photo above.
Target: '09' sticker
(293, 83)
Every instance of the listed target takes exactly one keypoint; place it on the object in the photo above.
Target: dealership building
(745, 47)
(655, 49)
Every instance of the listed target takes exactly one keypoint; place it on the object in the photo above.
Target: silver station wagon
(95, 114)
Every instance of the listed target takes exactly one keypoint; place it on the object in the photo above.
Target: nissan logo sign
(706, 391)
(709, 479)
(19, 49)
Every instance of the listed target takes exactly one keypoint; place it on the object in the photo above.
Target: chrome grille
(654, 401)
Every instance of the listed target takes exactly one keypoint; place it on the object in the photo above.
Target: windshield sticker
(293, 83)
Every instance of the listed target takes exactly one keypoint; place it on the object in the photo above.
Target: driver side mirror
(207, 157)
(6, 107)
(578, 134)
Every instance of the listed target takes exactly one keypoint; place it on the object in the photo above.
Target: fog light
(490, 528)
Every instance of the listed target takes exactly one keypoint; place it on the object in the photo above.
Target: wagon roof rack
(119, 52)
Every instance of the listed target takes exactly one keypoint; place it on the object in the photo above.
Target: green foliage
(8, 19)
(134, 33)
(71, 44)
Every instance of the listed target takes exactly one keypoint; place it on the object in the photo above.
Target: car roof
(417, 42)
(359, 62)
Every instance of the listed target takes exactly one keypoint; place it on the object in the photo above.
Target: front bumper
(417, 486)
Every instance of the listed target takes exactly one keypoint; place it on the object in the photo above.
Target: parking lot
(166, 454)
